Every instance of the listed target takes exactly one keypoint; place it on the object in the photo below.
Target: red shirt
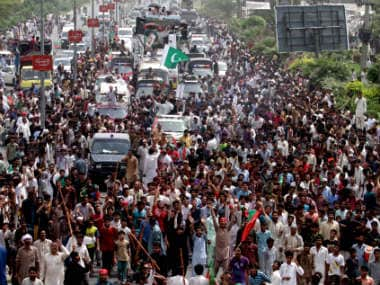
(161, 216)
(98, 220)
(107, 238)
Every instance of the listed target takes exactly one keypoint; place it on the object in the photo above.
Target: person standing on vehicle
(111, 96)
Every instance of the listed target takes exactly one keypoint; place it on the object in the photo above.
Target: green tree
(221, 9)
(373, 74)
(15, 11)
(253, 21)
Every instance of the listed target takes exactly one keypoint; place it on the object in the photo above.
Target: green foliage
(253, 21)
(251, 34)
(373, 74)
(304, 63)
(266, 14)
(325, 67)
(353, 88)
(321, 68)
(346, 92)
(376, 19)
(266, 46)
(16, 11)
(221, 9)
(269, 41)
(372, 93)
(332, 71)
(255, 30)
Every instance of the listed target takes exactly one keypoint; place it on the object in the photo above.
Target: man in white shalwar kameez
(24, 129)
(53, 272)
(361, 109)
(43, 246)
(199, 250)
(150, 166)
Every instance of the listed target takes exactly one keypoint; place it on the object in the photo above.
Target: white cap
(26, 237)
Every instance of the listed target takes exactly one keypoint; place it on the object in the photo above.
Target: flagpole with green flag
(172, 56)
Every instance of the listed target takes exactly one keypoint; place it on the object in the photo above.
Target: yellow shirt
(186, 140)
(90, 232)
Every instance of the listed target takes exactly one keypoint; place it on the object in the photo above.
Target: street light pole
(75, 44)
(93, 29)
(104, 27)
(116, 13)
(42, 73)
(366, 28)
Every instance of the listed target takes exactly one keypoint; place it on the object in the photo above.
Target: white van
(159, 71)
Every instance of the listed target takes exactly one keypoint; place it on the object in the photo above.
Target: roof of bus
(153, 65)
(111, 136)
(5, 52)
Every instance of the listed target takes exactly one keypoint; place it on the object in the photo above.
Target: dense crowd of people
(270, 183)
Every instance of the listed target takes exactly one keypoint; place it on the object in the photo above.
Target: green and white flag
(172, 56)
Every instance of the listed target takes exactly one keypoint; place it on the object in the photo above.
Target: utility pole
(75, 44)
(42, 73)
(365, 39)
(93, 29)
(104, 27)
(116, 12)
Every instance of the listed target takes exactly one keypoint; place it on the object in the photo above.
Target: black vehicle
(107, 152)
(191, 17)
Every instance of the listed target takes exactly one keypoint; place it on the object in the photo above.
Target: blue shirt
(289, 178)
(360, 249)
(259, 278)
(262, 240)
(239, 267)
(138, 215)
(3, 262)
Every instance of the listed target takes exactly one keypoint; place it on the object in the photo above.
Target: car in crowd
(112, 111)
(7, 74)
(146, 87)
(107, 152)
(189, 87)
(64, 61)
(81, 47)
(201, 42)
(222, 68)
(191, 16)
(196, 55)
(125, 33)
(64, 53)
(200, 67)
(173, 126)
(120, 89)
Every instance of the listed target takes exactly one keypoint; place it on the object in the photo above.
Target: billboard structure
(311, 28)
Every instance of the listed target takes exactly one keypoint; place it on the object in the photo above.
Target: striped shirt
(259, 278)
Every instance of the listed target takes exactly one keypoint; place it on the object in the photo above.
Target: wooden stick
(137, 253)
(117, 169)
(66, 210)
(182, 266)
(144, 250)
(181, 261)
